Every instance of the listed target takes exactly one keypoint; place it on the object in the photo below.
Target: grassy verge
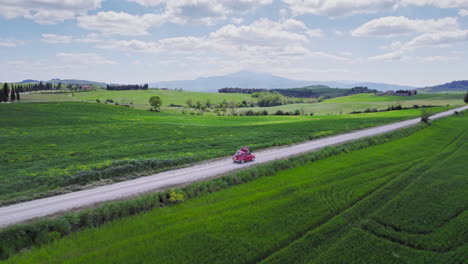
(50, 148)
(45, 231)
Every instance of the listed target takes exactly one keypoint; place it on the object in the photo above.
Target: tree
(466, 98)
(425, 117)
(155, 102)
(189, 102)
(13, 94)
(6, 92)
(17, 94)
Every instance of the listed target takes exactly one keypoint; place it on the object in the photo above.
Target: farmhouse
(86, 87)
(399, 93)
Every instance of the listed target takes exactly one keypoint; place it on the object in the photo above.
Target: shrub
(155, 102)
(176, 197)
(425, 117)
(279, 112)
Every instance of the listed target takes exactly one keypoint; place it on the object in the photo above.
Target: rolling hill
(247, 79)
(451, 87)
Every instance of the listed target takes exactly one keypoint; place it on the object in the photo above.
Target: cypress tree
(6, 92)
(13, 94)
(17, 94)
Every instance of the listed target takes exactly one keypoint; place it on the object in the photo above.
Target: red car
(242, 156)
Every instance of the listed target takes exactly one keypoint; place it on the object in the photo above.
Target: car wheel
(242, 161)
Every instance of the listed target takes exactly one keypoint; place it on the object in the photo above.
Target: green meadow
(361, 102)
(48, 146)
(139, 98)
(335, 106)
(399, 202)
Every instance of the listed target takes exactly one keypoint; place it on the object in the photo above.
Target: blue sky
(411, 42)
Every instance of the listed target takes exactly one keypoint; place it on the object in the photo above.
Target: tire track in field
(434, 160)
(343, 210)
(439, 158)
(350, 208)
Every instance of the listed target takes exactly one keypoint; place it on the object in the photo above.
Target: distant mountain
(66, 81)
(28, 81)
(247, 79)
(73, 81)
(451, 87)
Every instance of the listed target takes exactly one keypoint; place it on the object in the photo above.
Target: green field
(139, 97)
(441, 98)
(361, 102)
(48, 146)
(400, 202)
(335, 106)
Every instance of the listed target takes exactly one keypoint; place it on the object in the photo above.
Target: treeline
(408, 92)
(314, 91)
(127, 87)
(241, 90)
(266, 99)
(391, 108)
(11, 92)
(322, 91)
(36, 87)
(7, 94)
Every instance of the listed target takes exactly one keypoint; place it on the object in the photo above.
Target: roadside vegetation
(56, 147)
(399, 202)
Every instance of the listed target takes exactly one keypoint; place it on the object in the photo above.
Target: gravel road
(42, 207)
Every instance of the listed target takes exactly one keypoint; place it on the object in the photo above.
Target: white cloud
(63, 39)
(436, 3)
(395, 45)
(427, 40)
(46, 11)
(112, 23)
(263, 41)
(177, 11)
(338, 32)
(10, 43)
(237, 20)
(263, 32)
(84, 58)
(394, 26)
(437, 39)
(463, 12)
(438, 59)
(391, 56)
(202, 11)
(339, 8)
(149, 2)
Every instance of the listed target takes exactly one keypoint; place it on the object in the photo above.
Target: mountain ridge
(247, 79)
